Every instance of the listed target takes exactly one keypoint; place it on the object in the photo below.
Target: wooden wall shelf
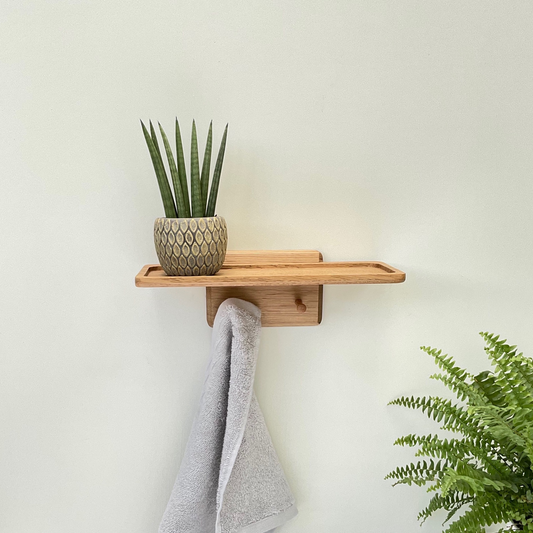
(268, 275)
(274, 281)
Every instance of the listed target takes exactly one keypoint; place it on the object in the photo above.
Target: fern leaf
(489, 469)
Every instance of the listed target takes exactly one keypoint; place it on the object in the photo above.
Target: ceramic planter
(191, 246)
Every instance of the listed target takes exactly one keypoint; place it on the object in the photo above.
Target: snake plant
(178, 205)
(486, 474)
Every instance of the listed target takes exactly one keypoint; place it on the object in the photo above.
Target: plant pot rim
(188, 218)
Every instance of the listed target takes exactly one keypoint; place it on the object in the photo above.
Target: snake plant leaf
(182, 172)
(162, 180)
(154, 136)
(178, 193)
(206, 167)
(210, 211)
(196, 193)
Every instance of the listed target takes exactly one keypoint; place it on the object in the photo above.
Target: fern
(485, 473)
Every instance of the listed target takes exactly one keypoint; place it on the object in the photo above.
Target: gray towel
(230, 479)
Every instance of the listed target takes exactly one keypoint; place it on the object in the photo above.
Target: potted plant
(486, 472)
(190, 240)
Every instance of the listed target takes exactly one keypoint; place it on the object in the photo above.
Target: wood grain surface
(265, 274)
(275, 281)
(278, 304)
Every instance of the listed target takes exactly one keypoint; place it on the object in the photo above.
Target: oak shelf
(269, 275)
(286, 285)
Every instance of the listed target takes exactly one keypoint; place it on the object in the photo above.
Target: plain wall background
(395, 131)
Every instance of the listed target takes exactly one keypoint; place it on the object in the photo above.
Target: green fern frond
(480, 515)
(446, 363)
(500, 424)
(418, 473)
(510, 372)
(464, 391)
(487, 385)
(488, 470)
(454, 417)
(474, 452)
(451, 502)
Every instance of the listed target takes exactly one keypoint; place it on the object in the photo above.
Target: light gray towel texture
(230, 479)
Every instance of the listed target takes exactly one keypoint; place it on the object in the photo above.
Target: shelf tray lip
(278, 274)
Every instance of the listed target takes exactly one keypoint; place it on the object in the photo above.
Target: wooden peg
(300, 307)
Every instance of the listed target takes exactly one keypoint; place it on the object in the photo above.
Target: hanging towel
(230, 479)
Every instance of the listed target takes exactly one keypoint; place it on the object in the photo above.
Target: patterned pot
(191, 246)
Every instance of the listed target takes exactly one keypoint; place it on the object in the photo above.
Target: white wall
(397, 131)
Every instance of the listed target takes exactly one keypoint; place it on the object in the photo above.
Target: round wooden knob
(300, 307)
